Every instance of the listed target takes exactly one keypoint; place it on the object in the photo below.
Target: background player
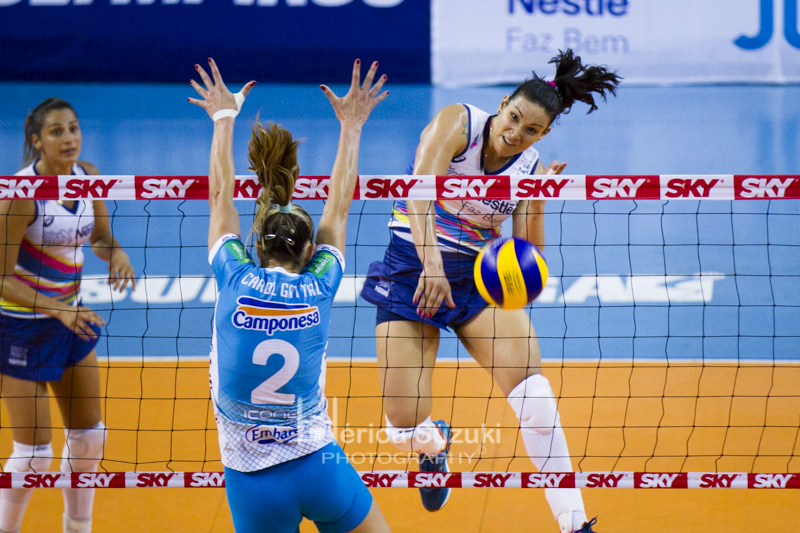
(47, 336)
(430, 260)
(281, 460)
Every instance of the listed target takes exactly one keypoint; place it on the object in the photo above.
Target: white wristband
(222, 113)
(228, 112)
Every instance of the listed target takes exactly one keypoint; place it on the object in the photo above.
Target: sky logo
(767, 25)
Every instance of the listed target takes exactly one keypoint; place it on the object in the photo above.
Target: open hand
(215, 95)
(432, 289)
(79, 320)
(120, 271)
(355, 106)
(555, 167)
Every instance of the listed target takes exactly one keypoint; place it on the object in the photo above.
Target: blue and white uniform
(50, 260)
(267, 382)
(466, 225)
(463, 227)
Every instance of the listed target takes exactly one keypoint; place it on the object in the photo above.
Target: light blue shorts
(322, 487)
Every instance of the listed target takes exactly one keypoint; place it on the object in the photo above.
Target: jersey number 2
(265, 393)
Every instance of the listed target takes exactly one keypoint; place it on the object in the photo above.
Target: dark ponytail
(573, 82)
(34, 123)
(281, 237)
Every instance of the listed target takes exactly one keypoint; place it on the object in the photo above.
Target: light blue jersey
(268, 355)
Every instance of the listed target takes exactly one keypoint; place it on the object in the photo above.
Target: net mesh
(668, 331)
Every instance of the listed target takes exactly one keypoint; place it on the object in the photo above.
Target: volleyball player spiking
(425, 283)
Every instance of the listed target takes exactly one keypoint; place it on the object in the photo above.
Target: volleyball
(510, 273)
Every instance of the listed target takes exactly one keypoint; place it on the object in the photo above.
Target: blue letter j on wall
(765, 33)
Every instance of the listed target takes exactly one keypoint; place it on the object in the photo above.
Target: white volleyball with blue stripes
(510, 273)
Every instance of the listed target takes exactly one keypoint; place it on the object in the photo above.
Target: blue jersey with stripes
(268, 355)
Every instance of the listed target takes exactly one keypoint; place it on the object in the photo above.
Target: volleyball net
(668, 329)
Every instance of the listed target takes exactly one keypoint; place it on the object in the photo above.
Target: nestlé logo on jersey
(271, 434)
(766, 187)
(623, 187)
(260, 315)
(171, 188)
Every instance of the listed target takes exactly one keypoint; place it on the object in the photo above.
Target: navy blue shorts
(322, 487)
(391, 284)
(40, 349)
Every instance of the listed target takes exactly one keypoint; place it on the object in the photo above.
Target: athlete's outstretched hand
(356, 105)
(216, 96)
(555, 168)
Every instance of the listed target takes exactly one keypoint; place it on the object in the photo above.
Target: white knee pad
(535, 404)
(27, 458)
(83, 448)
(425, 438)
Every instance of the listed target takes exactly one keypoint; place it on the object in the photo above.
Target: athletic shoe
(587, 526)
(434, 499)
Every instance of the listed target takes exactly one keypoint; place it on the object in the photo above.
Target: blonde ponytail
(273, 157)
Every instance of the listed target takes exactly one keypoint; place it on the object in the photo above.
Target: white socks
(425, 438)
(13, 502)
(83, 451)
(535, 405)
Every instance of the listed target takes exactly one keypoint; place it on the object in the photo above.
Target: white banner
(478, 42)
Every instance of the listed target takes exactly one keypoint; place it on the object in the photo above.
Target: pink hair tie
(551, 83)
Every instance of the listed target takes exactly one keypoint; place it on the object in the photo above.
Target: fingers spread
(200, 90)
(206, 80)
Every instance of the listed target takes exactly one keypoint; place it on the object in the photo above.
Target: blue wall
(296, 41)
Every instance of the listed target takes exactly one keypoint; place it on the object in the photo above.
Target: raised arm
(352, 110)
(446, 136)
(222, 106)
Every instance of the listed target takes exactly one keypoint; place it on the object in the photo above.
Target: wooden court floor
(616, 417)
